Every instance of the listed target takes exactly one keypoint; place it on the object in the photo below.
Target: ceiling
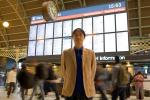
(19, 12)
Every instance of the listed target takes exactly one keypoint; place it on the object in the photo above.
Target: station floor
(51, 96)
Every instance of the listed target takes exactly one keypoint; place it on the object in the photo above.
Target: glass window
(32, 35)
(121, 22)
(98, 24)
(109, 23)
(40, 32)
(49, 30)
(77, 23)
(122, 41)
(58, 29)
(88, 42)
(57, 46)
(98, 43)
(110, 42)
(67, 28)
(87, 25)
(66, 43)
(48, 47)
(39, 47)
(31, 48)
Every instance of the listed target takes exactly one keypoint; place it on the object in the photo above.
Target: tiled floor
(51, 96)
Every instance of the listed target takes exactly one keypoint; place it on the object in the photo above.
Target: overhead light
(107, 65)
(54, 66)
(5, 24)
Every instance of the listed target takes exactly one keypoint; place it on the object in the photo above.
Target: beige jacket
(69, 70)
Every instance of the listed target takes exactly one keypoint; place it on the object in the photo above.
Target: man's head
(117, 59)
(78, 36)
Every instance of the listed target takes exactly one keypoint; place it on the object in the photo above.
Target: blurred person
(22, 81)
(50, 84)
(101, 79)
(128, 89)
(28, 80)
(41, 74)
(78, 67)
(11, 80)
(119, 80)
(138, 83)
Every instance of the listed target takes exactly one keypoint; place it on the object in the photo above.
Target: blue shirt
(79, 88)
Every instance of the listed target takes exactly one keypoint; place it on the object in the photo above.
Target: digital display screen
(49, 30)
(66, 43)
(31, 48)
(67, 28)
(57, 46)
(40, 32)
(110, 42)
(109, 23)
(121, 22)
(87, 43)
(32, 34)
(104, 33)
(77, 23)
(48, 47)
(57, 29)
(87, 25)
(39, 47)
(122, 41)
(98, 24)
(98, 43)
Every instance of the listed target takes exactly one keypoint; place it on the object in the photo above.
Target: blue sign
(86, 9)
(92, 8)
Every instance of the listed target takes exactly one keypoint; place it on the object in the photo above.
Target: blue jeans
(119, 91)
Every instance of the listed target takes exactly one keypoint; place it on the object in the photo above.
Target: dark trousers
(11, 88)
(119, 91)
(78, 97)
(51, 87)
(128, 91)
(103, 94)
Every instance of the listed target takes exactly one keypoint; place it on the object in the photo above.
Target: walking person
(11, 80)
(128, 89)
(101, 79)
(138, 83)
(78, 67)
(50, 84)
(119, 80)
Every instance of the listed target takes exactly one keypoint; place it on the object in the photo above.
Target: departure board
(122, 41)
(49, 30)
(31, 48)
(39, 48)
(41, 31)
(67, 28)
(48, 47)
(32, 34)
(110, 42)
(57, 46)
(98, 43)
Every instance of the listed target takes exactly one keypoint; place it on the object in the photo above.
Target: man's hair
(78, 29)
(117, 59)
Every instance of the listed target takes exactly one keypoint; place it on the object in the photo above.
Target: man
(11, 80)
(119, 80)
(78, 67)
(101, 78)
(50, 84)
(128, 89)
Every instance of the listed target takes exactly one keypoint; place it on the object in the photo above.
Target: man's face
(78, 38)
